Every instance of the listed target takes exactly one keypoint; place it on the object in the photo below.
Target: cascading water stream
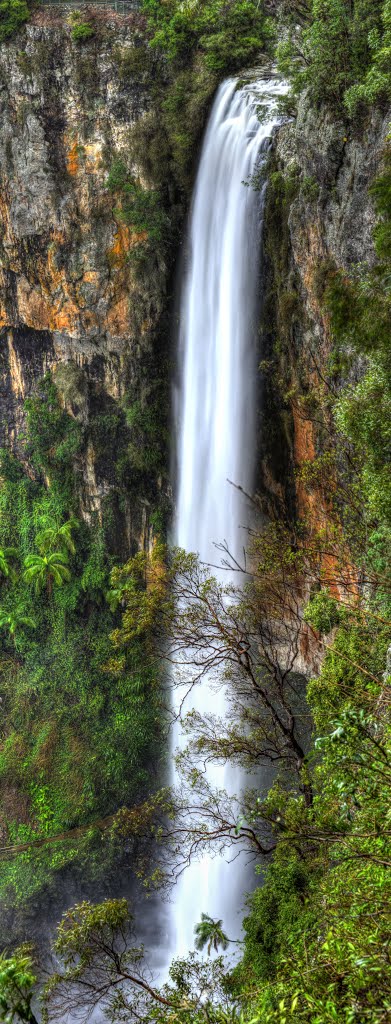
(216, 430)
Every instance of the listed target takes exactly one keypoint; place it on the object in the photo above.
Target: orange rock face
(69, 293)
(63, 245)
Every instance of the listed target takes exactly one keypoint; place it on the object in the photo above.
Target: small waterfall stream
(216, 430)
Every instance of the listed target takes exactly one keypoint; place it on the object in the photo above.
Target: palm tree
(210, 933)
(55, 538)
(6, 555)
(13, 621)
(47, 570)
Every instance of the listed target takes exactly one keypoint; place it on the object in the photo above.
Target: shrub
(323, 612)
(13, 14)
(341, 54)
(81, 30)
(228, 36)
(377, 81)
(140, 208)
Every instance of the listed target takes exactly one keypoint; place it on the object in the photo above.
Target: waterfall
(216, 407)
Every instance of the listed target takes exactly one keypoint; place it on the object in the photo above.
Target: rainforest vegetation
(86, 636)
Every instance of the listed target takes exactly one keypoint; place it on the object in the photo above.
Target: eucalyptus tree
(244, 636)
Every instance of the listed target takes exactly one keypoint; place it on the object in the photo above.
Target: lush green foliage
(317, 930)
(13, 14)
(78, 740)
(340, 52)
(80, 30)
(226, 35)
(17, 980)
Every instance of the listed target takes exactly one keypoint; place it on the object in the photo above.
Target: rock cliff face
(73, 302)
(319, 218)
(331, 222)
(69, 294)
(333, 215)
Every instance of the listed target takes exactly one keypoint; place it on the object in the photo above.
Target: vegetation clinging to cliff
(324, 959)
(227, 36)
(340, 52)
(77, 738)
(13, 14)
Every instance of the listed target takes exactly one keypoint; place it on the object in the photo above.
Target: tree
(333, 50)
(7, 555)
(14, 620)
(47, 571)
(246, 637)
(210, 933)
(102, 967)
(55, 538)
(13, 13)
(17, 981)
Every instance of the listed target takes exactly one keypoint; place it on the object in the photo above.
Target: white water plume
(217, 399)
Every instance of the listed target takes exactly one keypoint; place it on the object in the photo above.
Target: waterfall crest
(216, 408)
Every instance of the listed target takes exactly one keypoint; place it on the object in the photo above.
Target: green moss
(25, 63)
(309, 188)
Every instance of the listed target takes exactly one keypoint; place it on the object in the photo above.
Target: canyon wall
(87, 296)
(72, 302)
(320, 219)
